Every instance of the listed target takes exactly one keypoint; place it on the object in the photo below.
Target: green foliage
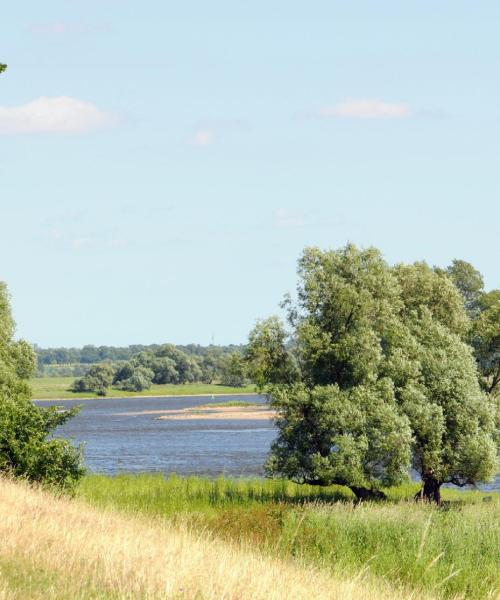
(387, 379)
(97, 379)
(3, 67)
(453, 421)
(484, 310)
(234, 372)
(26, 450)
(164, 369)
(427, 289)
(166, 364)
(137, 380)
(186, 366)
(345, 300)
(205, 361)
(469, 283)
(267, 356)
(354, 437)
(486, 341)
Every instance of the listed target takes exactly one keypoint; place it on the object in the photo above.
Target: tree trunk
(431, 490)
(367, 494)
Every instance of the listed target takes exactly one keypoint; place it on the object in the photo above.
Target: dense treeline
(166, 364)
(136, 367)
(90, 354)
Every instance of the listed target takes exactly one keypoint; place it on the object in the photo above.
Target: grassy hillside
(47, 388)
(58, 548)
(448, 552)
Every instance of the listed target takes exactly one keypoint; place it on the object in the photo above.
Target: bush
(97, 379)
(25, 450)
(139, 380)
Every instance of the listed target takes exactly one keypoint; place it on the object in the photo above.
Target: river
(118, 438)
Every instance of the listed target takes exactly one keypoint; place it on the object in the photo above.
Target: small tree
(26, 450)
(140, 379)
(233, 370)
(97, 380)
(267, 356)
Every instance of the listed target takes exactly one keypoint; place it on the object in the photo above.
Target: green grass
(47, 388)
(451, 551)
(231, 403)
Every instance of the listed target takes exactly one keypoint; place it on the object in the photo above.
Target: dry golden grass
(61, 548)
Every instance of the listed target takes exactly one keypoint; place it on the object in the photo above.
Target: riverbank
(156, 537)
(448, 552)
(224, 413)
(185, 538)
(57, 388)
(61, 548)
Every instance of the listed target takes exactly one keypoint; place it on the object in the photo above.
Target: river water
(116, 441)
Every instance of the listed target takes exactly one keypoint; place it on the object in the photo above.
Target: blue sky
(162, 165)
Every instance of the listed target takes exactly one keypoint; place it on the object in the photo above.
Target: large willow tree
(375, 378)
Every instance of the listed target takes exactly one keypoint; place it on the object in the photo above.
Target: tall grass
(58, 548)
(175, 496)
(452, 552)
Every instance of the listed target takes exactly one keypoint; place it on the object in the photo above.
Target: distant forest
(76, 362)
(89, 355)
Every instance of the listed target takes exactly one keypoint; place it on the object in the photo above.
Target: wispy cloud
(292, 219)
(208, 131)
(202, 137)
(286, 219)
(81, 242)
(63, 240)
(56, 28)
(366, 109)
(117, 243)
(53, 115)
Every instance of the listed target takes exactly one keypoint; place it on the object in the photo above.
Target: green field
(46, 388)
(449, 552)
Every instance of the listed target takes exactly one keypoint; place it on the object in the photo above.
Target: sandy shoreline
(253, 413)
(150, 396)
(256, 412)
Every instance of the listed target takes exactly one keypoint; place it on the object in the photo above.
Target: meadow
(51, 388)
(58, 548)
(446, 552)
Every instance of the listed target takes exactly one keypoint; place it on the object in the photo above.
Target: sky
(163, 165)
